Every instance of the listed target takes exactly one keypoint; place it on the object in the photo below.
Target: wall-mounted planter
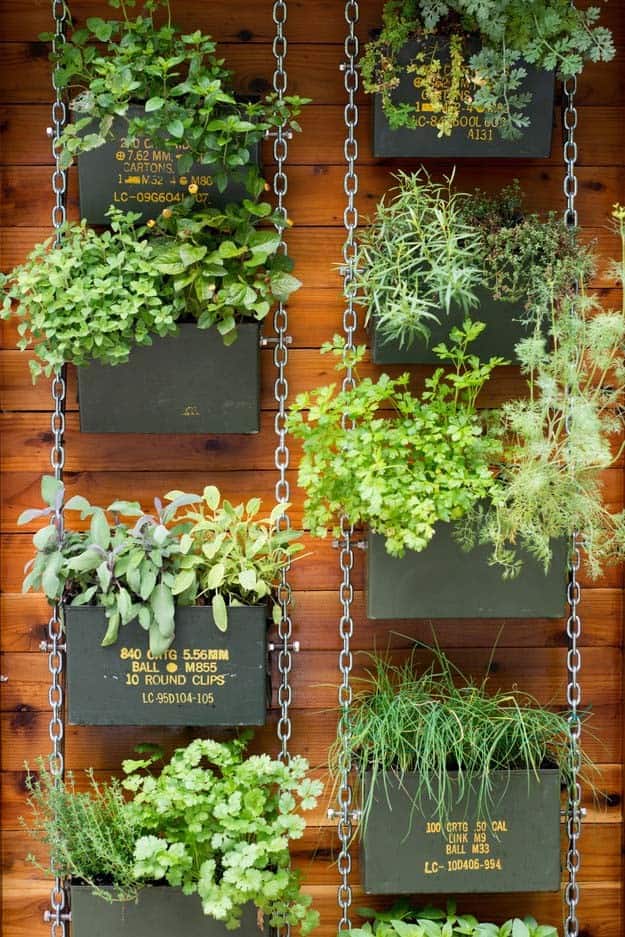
(207, 678)
(159, 911)
(475, 136)
(187, 383)
(404, 850)
(443, 581)
(144, 178)
(503, 331)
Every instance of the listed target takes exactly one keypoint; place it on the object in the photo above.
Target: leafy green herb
(99, 295)
(185, 91)
(211, 822)
(439, 720)
(402, 920)
(451, 74)
(194, 550)
(400, 473)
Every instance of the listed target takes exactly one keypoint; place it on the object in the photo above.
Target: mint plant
(549, 34)
(141, 568)
(99, 295)
(210, 821)
(403, 920)
(185, 93)
(427, 461)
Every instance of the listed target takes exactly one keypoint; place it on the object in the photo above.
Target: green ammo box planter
(444, 581)
(207, 678)
(404, 849)
(159, 911)
(503, 331)
(475, 136)
(185, 383)
(144, 178)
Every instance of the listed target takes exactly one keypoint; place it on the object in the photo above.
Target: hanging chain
(345, 812)
(57, 916)
(573, 624)
(281, 392)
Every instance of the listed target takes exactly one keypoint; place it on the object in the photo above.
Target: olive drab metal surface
(504, 329)
(515, 848)
(444, 581)
(185, 383)
(146, 179)
(207, 678)
(475, 135)
(159, 911)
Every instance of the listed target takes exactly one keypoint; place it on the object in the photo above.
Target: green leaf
(85, 562)
(159, 643)
(162, 605)
(215, 576)
(247, 579)
(519, 928)
(100, 531)
(104, 576)
(78, 503)
(283, 284)
(176, 128)
(50, 486)
(154, 104)
(220, 612)
(145, 617)
(112, 630)
(45, 537)
(183, 581)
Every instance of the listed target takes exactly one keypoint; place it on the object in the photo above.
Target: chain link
(281, 392)
(57, 916)
(345, 812)
(573, 624)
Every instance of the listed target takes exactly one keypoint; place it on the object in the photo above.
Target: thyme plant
(433, 719)
(184, 93)
(474, 55)
(400, 472)
(211, 822)
(193, 550)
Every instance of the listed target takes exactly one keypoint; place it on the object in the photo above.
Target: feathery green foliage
(436, 719)
(549, 34)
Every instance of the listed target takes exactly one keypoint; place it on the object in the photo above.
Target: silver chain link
(57, 915)
(573, 624)
(345, 812)
(281, 393)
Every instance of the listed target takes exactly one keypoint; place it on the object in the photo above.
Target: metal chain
(345, 812)
(573, 624)
(57, 915)
(281, 392)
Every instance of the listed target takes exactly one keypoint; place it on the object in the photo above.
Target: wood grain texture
(529, 654)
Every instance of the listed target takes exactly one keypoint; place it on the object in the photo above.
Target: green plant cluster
(434, 720)
(427, 460)
(184, 91)
(210, 822)
(194, 550)
(98, 295)
(403, 920)
(430, 250)
(562, 436)
(475, 55)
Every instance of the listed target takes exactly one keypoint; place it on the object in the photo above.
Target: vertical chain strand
(57, 915)
(281, 392)
(345, 812)
(573, 624)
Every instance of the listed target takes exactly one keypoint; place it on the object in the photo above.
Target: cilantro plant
(403, 920)
(400, 472)
(562, 437)
(98, 295)
(451, 73)
(193, 550)
(430, 248)
(210, 822)
(184, 92)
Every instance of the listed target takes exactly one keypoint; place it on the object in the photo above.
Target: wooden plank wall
(531, 654)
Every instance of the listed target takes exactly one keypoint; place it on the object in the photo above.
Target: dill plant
(435, 720)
